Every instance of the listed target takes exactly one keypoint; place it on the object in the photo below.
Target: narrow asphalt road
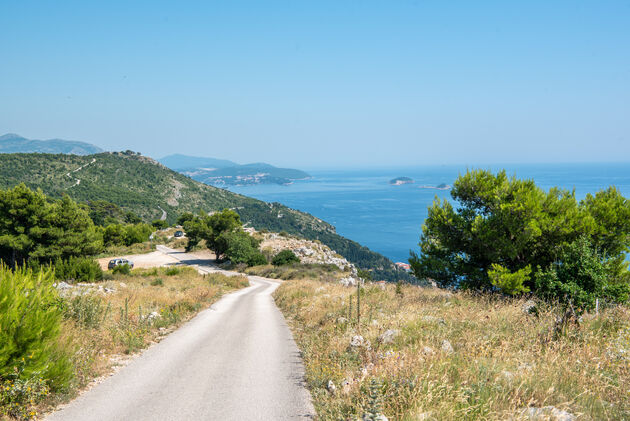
(234, 361)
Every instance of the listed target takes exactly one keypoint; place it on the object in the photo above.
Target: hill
(147, 188)
(185, 162)
(13, 143)
(220, 172)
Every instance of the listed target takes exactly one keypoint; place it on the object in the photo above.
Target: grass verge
(429, 354)
(107, 321)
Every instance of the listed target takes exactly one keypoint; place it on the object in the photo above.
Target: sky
(319, 84)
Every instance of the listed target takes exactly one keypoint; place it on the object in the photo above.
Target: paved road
(234, 361)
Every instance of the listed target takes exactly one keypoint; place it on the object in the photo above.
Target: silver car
(119, 262)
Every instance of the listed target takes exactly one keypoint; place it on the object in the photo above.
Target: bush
(80, 269)
(122, 269)
(159, 224)
(256, 259)
(579, 277)
(285, 257)
(172, 271)
(30, 324)
(510, 283)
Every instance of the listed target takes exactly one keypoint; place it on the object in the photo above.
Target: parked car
(179, 234)
(119, 262)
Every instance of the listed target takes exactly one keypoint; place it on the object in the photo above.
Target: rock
(546, 413)
(427, 350)
(507, 375)
(447, 347)
(152, 316)
(348, 282)
(61, 286)
(379, 417)
(109, 290)
(529, 307)
(331, 387)
(388, 336)
(357, 341)
(123, 285)
(342, 320)
(433, 319)
(424, 416)
(346, 386)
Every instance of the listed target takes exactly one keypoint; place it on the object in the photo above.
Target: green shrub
(579, 277)
(159, 224)
(30, 324)
(172, 271)
(80, 269)
(256, 259)
(285, 257)
(122, 269)
(157, 282)
(510, 283)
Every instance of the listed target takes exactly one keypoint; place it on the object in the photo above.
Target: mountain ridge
(14, 143)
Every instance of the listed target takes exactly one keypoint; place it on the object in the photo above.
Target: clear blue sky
(323, 83)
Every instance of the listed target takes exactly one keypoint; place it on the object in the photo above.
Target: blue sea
(364, 207)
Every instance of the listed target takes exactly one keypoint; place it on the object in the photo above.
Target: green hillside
(146, 187)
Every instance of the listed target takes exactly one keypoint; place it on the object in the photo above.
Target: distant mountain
(179, 162)
(220, 172)
(13, 143)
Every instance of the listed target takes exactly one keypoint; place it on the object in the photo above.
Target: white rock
(447, 347)
(331, 387)
(529, 307)
(63, 286)
(357, 341)
(547, 413)
(388, 336)
(427, 350)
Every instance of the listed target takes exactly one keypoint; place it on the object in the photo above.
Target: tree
(502, 226)
(242, 248)
(31, 227)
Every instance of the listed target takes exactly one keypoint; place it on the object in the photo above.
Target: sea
(364, 207)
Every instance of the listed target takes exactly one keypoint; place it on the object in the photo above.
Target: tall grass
(502, 361)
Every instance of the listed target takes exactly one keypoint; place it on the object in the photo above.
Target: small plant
(510, 283)
(122, 269)
(86, 310)
(285, 257)
(157, 282)
(375, 402)
(172, 271)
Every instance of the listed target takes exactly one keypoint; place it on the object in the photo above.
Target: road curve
(234, 361)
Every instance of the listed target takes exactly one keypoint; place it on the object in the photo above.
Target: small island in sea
(400, 180)
(441, 186)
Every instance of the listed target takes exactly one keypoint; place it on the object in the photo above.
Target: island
(400, 181)
(441, 186)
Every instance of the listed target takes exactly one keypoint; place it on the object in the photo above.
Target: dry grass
(326, 273)
(504, 360)
(146, 305)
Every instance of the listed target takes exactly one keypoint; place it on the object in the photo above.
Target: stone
(507, 375)
(433, 319)
(427, 350)
(529, 307)
(346, 386)
(331, 387)
(379, 417)
(357, 341)
(447, 347)
(388, 336)
(61, 286)
(546, 413)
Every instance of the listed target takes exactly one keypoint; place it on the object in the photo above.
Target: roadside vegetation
(430, 354)
(68, 336)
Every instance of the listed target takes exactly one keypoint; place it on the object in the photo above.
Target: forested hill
(146, 187)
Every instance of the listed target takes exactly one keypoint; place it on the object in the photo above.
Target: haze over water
(364, 207)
